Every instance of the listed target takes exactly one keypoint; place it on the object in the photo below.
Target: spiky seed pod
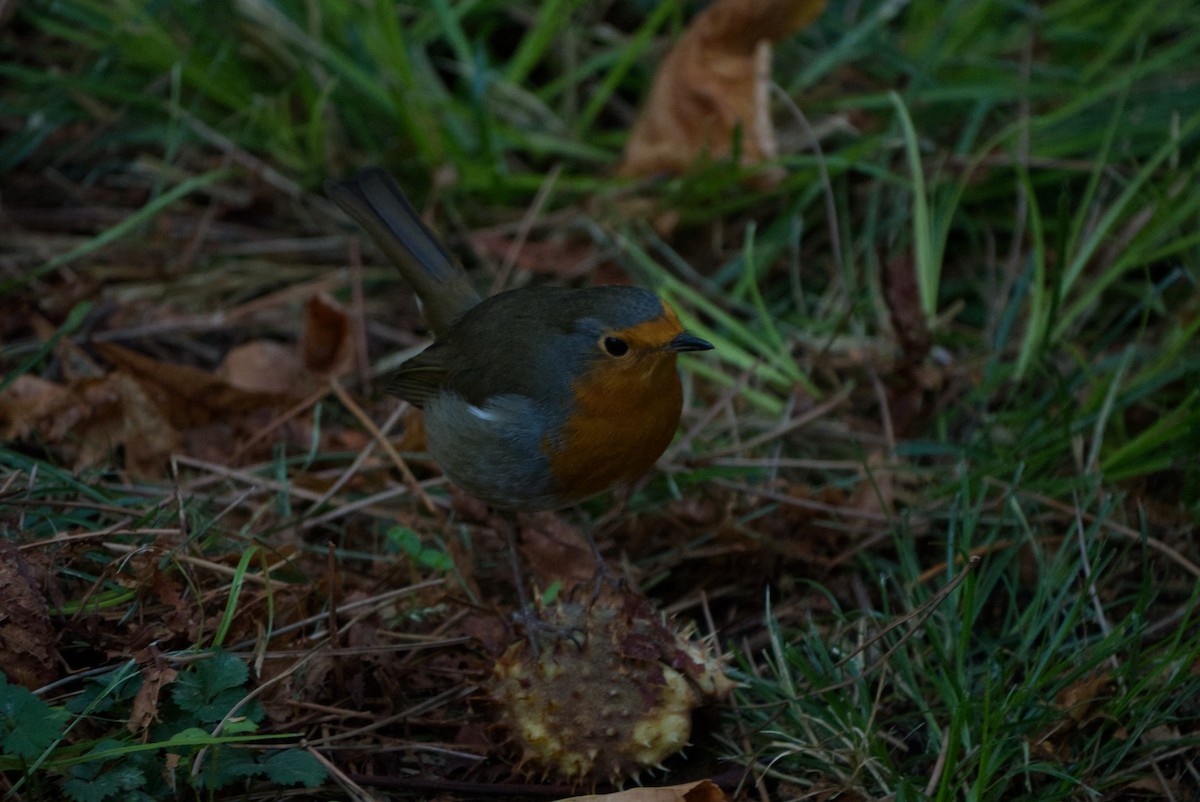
(603, 690)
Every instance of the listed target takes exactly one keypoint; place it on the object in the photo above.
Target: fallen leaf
(138, 425)
(556, 551)
(146, 409)
(327, 348)
(563, 256)
(1163, 733)
(1151, 787)
(26, 402)
(903, 295)
(713, 83)
(413, 437)
(156, 582)
(1079, 700)
(1081, 705)
(702, 791)
(89, 419)
(26, 636)
(188, 396)
(263, 366)
(144, 711)
(814, 511)
(913, 377)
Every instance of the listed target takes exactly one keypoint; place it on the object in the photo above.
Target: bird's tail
(377, 204)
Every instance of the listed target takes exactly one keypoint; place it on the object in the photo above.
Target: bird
(536, 398)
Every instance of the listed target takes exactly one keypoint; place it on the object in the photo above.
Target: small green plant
(28, 726)
(202, 737)
(405, 540)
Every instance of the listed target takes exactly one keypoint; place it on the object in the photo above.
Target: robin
(535, 398)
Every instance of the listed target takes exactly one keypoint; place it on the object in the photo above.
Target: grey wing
(492, 451)
(420, 378)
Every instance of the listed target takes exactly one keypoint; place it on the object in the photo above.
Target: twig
(831, 214)
(358, 305)
(355, 790)
(806, 504)
(366, 503)
(386, 445)
(278, 421)
(939, 765)
(527, 221)
(415, 710)
(1086, 566)
(1114, 527)
(714, 409)
(382, 598)
(354, 466)
(808, 416)
(916, 617)
(115, 529)
(224, 570)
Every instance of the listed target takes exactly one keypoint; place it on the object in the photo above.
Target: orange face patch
(654, 334)
(626, 410)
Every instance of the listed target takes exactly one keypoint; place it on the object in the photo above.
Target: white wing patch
(482, 414)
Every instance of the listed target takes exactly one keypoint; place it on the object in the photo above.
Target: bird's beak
(688, 342)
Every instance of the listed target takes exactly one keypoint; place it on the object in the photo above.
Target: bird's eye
(614, 346)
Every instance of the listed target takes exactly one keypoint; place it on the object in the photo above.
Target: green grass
(1016, 178)
(975, 700)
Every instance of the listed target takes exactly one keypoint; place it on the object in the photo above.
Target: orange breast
(624, 418)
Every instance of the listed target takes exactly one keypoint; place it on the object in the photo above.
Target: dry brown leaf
(814, 515)
(96, 416)
(556, 551)
(188, 396)
(1079, 700)
(1163, 733)
(138, 424)
(26, 402)
(182, 616)
(413, 437)
(713, 82)
(903, 295)
(876, 494)
(1082, 705)
(149, 409)
(913, 377)
(26, 637)
(144, 710)
(702, 791)
(142, 408)
(263, 366)
(1151, 787)
(328, 345)
(565, 257)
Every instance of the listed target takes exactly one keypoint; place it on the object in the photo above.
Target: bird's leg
(602, 577)
(527, 616)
